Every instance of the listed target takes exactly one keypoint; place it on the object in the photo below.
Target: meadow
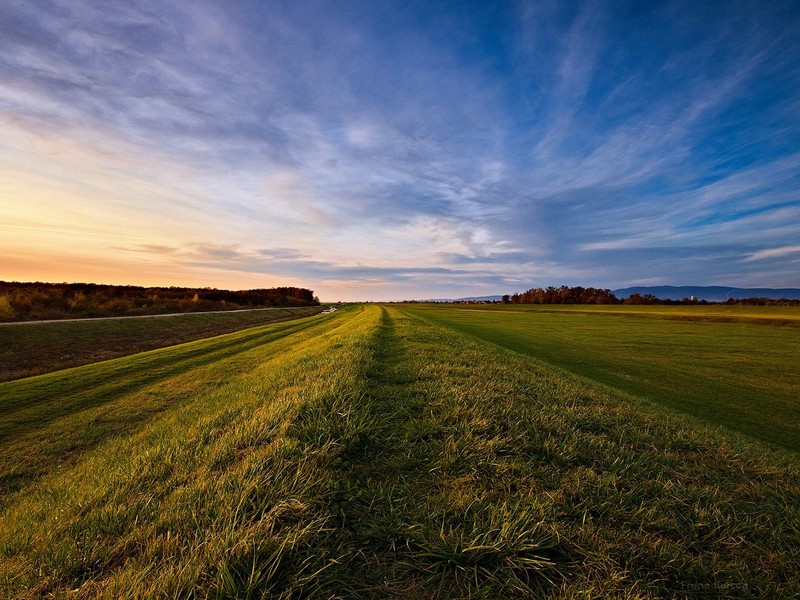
(34, 348)
(376, 453)
(735, 366)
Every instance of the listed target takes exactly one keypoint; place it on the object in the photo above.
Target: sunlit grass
(36, 348)
(734, 366)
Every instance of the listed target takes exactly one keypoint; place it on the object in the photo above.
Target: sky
(393, 149)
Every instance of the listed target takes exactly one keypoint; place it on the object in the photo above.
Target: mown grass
(733, 366)
(36, 348)
(50, 419)
(375, 454)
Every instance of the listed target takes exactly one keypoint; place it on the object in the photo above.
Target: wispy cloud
(419, 146)
(774, 253)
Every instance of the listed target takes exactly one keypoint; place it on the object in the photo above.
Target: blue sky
(397, 149)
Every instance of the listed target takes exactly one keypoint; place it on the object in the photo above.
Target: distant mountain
(480, 299)
(469, 299)
(712, 293)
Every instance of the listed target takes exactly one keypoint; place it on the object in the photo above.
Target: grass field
(32, 349)
(731, 365)
(375, 453)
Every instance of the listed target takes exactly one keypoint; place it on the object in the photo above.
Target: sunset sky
(392, 149)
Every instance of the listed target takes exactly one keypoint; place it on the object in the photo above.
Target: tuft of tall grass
(505, 546)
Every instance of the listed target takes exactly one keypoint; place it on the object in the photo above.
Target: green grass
(375, 454)
(36, 348)
(49, 419)
(733, 366)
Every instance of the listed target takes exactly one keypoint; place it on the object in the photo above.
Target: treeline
(590, 295)
(563, 295)
(33, 301)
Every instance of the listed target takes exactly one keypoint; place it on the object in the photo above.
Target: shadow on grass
(34, 402)
(393, 528)
(33, 443)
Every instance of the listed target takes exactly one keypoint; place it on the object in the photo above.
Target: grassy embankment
(372, 453)
(730, 365)
(35, 348)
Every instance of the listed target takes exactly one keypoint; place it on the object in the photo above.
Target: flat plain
(28, 349)
(379, 452)
(731, 365)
